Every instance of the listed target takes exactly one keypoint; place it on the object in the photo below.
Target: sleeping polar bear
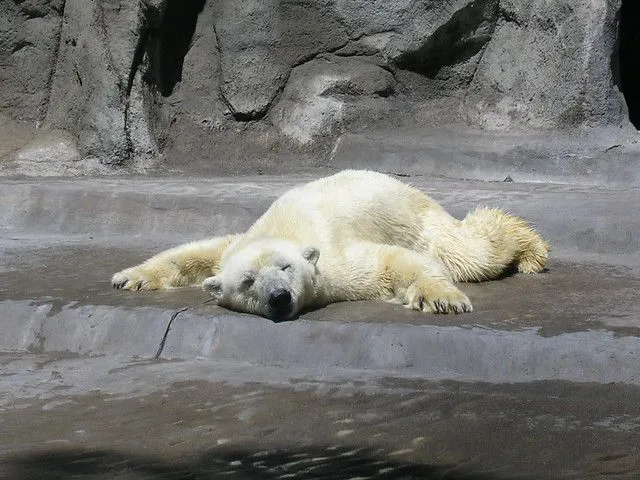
(356, 235)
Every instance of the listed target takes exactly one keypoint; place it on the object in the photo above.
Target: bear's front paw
(435, 297)
(134, 279)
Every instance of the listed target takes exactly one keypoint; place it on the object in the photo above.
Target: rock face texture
(91, 93)
(29, 43)
(221, 80)
(548, 65)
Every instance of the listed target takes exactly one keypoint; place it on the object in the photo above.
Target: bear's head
(271, 278)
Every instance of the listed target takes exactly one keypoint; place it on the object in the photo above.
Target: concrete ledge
(582, 223)
(84, 329)
(428, 351)
(578, 157)
(62, 240)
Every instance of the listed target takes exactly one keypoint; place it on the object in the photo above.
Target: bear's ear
(213, 286)
(311, 255)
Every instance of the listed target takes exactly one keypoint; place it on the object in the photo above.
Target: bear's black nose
(280, 300)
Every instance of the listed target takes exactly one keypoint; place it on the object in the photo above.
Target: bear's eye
(286, 267)
(248, 280)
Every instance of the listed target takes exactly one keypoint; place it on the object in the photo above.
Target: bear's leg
(182, 266)
(401, 275)
(486, 244)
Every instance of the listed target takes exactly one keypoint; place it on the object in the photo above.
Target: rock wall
(548, 65)
(221, 81)
(29, 42)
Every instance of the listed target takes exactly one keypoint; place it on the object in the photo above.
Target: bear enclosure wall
(127, 81)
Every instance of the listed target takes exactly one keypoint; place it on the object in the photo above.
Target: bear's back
(350, 205)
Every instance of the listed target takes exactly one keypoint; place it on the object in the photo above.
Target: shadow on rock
(310, 463)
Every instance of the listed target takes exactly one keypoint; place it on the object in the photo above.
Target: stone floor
(197, 419)
(540, 381)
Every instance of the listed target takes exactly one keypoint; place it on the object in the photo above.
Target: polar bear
(356, 235)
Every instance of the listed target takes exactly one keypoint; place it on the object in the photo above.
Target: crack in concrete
(173, 317)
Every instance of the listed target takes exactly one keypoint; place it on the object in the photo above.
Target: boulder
(314, 100)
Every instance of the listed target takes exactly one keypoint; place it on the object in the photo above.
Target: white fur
(377, 238)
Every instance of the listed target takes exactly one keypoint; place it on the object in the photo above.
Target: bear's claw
(442, 306)
(438, 300)
(126, 281)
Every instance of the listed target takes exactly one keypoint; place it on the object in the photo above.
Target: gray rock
(548, 66)
(51, 153)
(317, 94)
(450, 53)
(88, 90)
(29, 38)
(132, 80)
(260, 41)
(94, 93)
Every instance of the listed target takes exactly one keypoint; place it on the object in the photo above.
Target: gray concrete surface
(584, 223)
(540, 381)
(64, 238)
(575, 323)
(586, 157)
(104, 418)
